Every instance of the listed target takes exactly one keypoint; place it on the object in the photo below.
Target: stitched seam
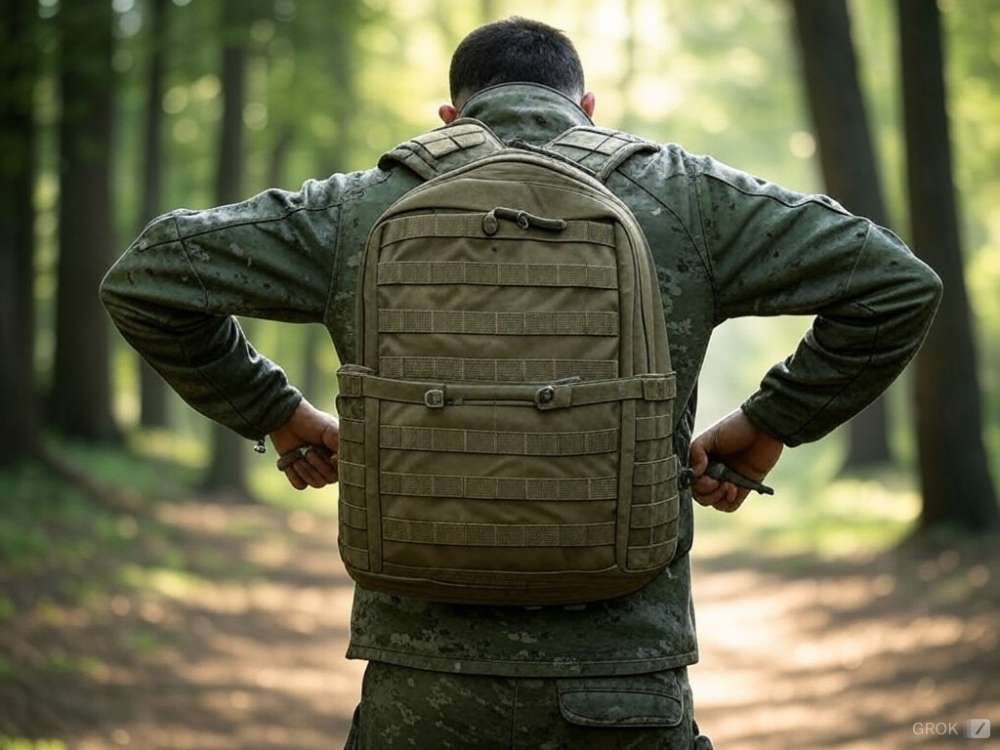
(628, 721)
(528, 661)
(282, 217)
(237, 224)
(334, 269)
(708, 254)
(204, 376)
(704, 261)
(756, 194)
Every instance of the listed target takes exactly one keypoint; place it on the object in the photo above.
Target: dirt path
(244, 649)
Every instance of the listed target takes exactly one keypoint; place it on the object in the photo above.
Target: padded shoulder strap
(599, 149)
(444, 149)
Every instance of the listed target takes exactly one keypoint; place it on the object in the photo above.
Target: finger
(698, 458)
(705, 485)
(294, 479)
(308, 474)
(710, 498)
(719, 495)
(322, 466)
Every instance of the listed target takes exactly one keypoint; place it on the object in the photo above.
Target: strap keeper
(659, 387)
(351, 385)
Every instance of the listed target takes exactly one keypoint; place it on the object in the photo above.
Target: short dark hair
(515, 49)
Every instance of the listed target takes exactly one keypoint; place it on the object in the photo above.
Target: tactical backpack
(506, 435)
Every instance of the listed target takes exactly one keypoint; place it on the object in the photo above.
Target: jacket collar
(525, 111)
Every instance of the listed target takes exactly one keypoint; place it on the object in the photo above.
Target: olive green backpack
(506, 437)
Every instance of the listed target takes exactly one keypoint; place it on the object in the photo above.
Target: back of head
(515, 50)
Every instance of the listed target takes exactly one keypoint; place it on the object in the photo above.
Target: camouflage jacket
(726, 244)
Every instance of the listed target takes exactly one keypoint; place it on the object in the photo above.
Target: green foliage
(332, 85)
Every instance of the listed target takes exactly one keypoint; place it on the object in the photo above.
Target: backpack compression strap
(444, 148)
(599, 149)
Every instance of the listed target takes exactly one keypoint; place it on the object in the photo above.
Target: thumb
(698, 456)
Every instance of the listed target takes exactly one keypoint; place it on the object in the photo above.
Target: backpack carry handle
(525, 220)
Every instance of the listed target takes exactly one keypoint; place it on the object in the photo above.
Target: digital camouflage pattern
(726, 244)
(412, 708)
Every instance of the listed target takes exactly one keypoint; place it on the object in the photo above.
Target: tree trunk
(80, 401)
(152, 389)
(226, 473)
(847, 159)
(954, 472)
(18, 68)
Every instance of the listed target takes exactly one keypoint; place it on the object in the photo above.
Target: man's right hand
(309, 426)
(739, 444)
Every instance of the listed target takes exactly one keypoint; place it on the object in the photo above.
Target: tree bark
(847, 159)
(152, 389)
(80, 401)
(18, 69)
(954, 471)
(227, 468)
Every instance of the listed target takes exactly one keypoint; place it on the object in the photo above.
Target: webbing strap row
(354, 556)
(471, 225)
(653, 428)
(498, 274)
(498, 535)
(498, 488)
(507, 443)
(654, 514)
(652, 493)
(497, 370)
(354, 383)
(654, 472)
(651, 556)
(351, 474)
(559, 323)
(352, 515)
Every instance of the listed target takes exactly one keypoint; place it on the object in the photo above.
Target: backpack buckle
(434, 398)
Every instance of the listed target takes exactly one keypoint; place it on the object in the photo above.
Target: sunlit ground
(196, 625)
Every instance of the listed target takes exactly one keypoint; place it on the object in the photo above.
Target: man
(606, 674)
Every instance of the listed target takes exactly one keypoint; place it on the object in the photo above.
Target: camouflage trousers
(403, 707)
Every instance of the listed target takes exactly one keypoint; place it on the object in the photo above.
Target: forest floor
(189, 624)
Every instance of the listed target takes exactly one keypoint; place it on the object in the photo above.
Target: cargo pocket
(639, 701)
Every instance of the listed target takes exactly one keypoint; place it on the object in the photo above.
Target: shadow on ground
(225, 626)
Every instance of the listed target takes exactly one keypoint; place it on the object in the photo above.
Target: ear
(447, 113)
(587, 103)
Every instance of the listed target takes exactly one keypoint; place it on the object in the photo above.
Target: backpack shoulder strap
(443, 149)
(601, 150)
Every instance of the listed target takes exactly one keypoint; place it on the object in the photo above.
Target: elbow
(931, 289)
(109, 292)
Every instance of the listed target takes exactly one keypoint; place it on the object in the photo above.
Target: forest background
(126, 520)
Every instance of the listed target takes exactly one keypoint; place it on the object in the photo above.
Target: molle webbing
(542, 323)
(441, 150)
(497, 370)
(506, 434)
(499, 535)
(599, 149)
(498, 274)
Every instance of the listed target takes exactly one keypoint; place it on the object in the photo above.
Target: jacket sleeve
(775, 252)
(173, 293)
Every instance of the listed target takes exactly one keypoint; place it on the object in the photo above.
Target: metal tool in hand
(297, 454)
(722, 473)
